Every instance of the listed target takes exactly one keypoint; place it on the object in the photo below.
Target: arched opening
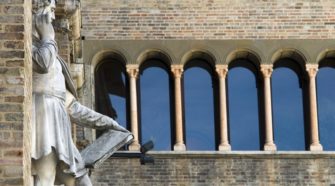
(155, 104)
(289, 100)
(200, 105)
(111, 90)
(245, 122)
(326, 101)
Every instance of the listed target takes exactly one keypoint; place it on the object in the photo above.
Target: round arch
(324, 55)
(199, 54)
(244, 53)
(157, 54)
(108, 54)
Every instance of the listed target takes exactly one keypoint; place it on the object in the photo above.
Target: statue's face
(50, 10)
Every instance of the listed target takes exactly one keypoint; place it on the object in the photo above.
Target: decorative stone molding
(222, 70)
(177, 70)
(312, 70)
(133, 71)
(266, 70)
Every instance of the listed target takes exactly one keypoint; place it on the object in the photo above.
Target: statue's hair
(42, 3)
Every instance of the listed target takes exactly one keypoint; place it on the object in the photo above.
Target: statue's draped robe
(51, 126)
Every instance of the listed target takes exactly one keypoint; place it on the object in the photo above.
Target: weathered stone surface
(10, 107)
(13, 153)
(13, 9)
(11, 181)
(14, 116)
(15, 91)
(14, 99)
(14, 63)
(11, 54)
(14, 44)
(14, 28)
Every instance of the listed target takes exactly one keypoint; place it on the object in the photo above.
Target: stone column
(132, 71)
(266, 70)
(177, 71)
(313, 110)
(222, 71)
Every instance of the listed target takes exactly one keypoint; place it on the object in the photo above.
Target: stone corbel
(66, 8)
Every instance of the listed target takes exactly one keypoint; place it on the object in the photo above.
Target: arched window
(243, 106)
(326, 101)
(199, 105)
(111, 90)
(155, 109)
(288, 105)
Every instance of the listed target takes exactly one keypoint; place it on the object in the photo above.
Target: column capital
(266, 70)
(132, 70)
(221, 70)
(177, 70)
(312, 69)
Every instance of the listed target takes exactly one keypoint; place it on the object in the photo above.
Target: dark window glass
(199, 107)
(110, 90)
(155, 106)
(244, 122)
(326, 109)
(288, 114)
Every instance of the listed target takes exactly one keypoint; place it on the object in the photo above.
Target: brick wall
(208, 19)
(15, 91)
(273, 20)
(216, 169)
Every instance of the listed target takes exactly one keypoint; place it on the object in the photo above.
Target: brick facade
(210, 19)
(220, 169)
(244, 23)
(160, 20)
(15, 91)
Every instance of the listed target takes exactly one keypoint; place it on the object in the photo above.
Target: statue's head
(44, 7)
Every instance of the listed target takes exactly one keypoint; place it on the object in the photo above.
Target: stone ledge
(234, 154)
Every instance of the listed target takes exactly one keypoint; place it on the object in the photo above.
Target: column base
(315, 147)
(135, 146)
(179, 147)
(224, 147)
(270, 147)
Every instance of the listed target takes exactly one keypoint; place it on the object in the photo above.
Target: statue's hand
(44, 27)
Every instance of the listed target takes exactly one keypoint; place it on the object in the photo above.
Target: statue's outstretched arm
(44, 55)
(86, 117)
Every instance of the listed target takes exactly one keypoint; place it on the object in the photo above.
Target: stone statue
(55, 158)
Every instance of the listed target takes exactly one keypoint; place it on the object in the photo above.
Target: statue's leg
(45, 168)
(66, 179)
(70, 180)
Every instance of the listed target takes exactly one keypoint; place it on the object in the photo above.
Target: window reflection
(244, 128)
(326, 109)
(155, 105)
(288, 113)
(199, 106)
(110, 90)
